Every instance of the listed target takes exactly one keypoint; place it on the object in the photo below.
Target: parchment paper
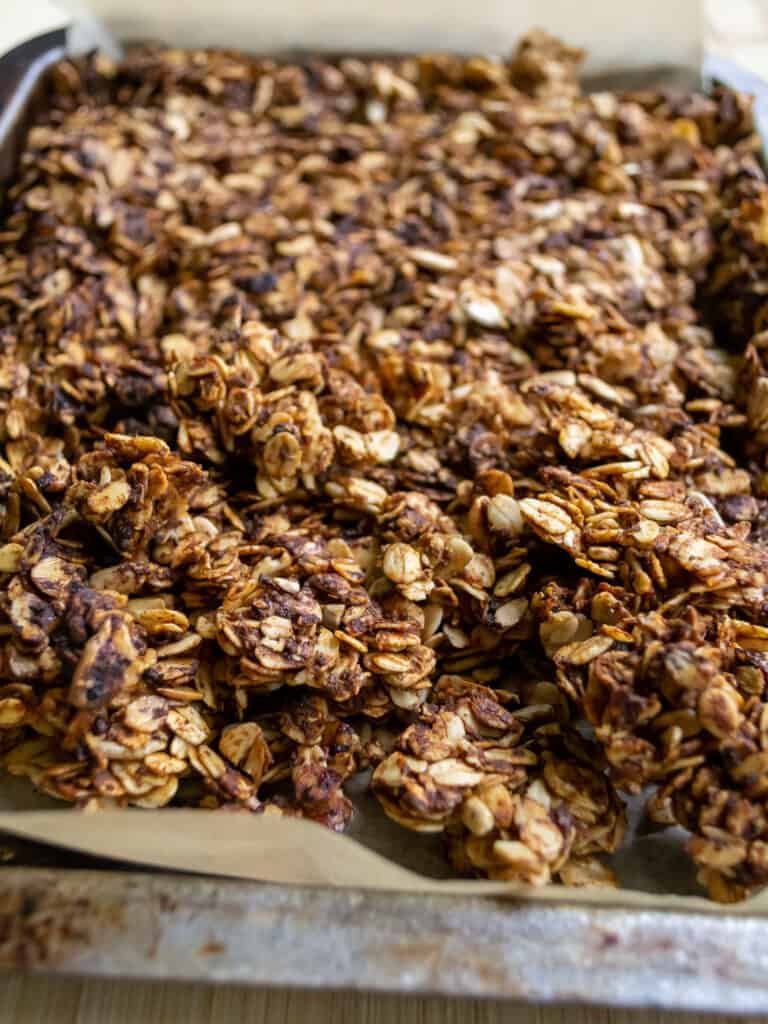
(376, 853)
(616, 37)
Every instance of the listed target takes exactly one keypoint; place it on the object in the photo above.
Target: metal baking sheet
(144, 925)
(64, 913)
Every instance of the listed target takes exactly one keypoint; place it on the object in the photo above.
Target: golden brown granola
(408, 414)
(521, 797)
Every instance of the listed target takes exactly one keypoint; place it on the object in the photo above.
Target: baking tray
(144, 925)
(69, 914)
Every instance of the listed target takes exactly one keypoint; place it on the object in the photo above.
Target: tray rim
(145, 925)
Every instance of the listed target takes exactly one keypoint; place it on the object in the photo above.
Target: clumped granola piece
(518, 800)
(300, 616)
(720, 795)
(396, 413)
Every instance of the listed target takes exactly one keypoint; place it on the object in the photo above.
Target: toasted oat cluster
(396, 414)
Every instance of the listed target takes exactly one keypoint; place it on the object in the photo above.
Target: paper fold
(293, 851)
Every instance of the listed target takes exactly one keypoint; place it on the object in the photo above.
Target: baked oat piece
(396, 413)
(521, 796)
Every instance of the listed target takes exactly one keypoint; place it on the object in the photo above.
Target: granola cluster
(407, 415)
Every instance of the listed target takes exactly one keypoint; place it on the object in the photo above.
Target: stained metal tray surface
(68, 914)
(145, 925)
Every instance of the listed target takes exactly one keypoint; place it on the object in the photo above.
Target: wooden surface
(50, 1001)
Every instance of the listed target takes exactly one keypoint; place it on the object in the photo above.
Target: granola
(521, 797)
(395, 414)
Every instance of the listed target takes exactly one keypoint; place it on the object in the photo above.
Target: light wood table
(64, 1001)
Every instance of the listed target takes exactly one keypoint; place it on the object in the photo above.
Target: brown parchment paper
(375, 854)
